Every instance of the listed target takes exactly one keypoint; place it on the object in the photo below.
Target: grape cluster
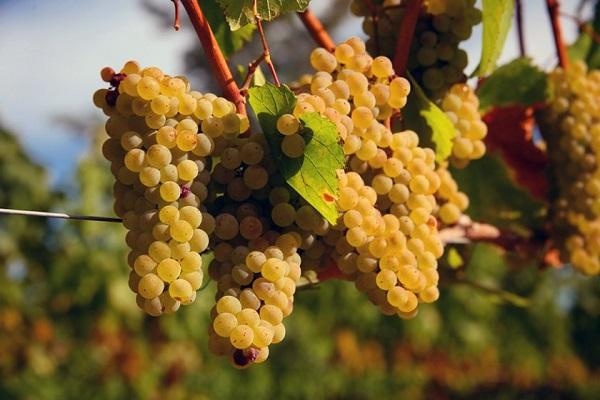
(256, 286)
(436, 60)
(192, 177)
(263, 232)
(255, 265)
(386, 239)
(159, 158)
(570, 124)
(461, 105)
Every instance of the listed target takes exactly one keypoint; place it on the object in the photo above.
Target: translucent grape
(168, 270)
(150, 286)
(288, 124)
(224, 323)
(181, 231)
(181, 290)
(170, 191)
(293, 146)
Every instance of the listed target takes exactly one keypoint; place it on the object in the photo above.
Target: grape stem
(584, 27)
(176, 20)
(316, 30)
(252, 67)
(508, 297)
(373, 9)
(29, 213)
(467, 231)
(520, 31)
(405, 36)
(265, 45)
(214, 55)
(561, 50)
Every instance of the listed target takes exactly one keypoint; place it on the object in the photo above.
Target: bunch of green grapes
(386, 238)
(161, 135)
(461, 105)
(192, 177)
(256, 286)
(436, 60)
(261, 227)
(570, 124)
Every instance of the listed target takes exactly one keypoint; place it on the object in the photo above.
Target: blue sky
(51, 53)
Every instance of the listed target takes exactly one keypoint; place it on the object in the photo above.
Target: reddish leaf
(510, 131)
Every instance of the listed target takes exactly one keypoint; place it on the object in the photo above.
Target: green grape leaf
(494, 196)
(229, 41)
(518, 82)
(585, 48)
(581, 47)
(484, 273)
(239, 13)
(313, 175)
(259, 79)
(433, 126)
(497, 18)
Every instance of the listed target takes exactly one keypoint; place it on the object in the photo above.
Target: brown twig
(508, 297)
(316, 30)
(176, 21)
(583, 26)
(252, 67)
(467, 231)
(374, 10)
(265, 45)
(214, 55)
(520, 32)
(405, 36)
(561, 50)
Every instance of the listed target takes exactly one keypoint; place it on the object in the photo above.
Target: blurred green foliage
(69, 327)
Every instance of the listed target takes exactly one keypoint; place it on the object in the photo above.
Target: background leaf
(313, 175)
(229, 41)
(494, 196)
(431, 124)
(585, 47)
(240, 13)
(510, 131)
(518, 82)
(259, 79)
(497, 18)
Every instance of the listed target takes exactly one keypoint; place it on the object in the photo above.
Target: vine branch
(508, 297)
(252, 67)
(467, 231)
(214, 56)
(374, 10)
(177, 20)
(265, 46)
(405, 36)
(316, 30)
(520, 26)
(561, 50)
(583, 26)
